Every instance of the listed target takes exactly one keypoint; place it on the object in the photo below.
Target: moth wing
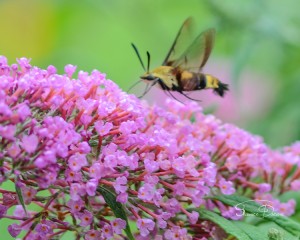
(182, 39)
(197, 54)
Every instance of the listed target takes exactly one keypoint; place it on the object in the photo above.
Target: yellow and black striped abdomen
(190, 81)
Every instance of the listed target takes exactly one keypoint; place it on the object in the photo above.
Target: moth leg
(197, 100)
(173, 96)
(148, 87)
(133, 85)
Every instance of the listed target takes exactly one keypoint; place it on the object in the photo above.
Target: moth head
(148, 77)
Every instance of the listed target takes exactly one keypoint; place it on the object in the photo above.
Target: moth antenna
(148, 59)
(138, 54)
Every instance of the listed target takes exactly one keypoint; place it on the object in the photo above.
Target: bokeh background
(257, 50)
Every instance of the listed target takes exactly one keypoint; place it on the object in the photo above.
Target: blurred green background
(257, 50)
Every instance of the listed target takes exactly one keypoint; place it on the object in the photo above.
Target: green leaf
(253, 231)
(247, 205)
(227, 225)
(93, 143)
(272, 229)
(20, 196)
(116, 207)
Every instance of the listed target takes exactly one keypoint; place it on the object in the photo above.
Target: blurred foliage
(258, 36)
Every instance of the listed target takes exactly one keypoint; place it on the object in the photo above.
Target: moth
(182, 71)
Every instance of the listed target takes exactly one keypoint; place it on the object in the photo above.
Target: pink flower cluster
(62, 138)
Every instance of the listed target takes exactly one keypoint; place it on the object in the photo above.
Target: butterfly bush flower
(82, 149)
